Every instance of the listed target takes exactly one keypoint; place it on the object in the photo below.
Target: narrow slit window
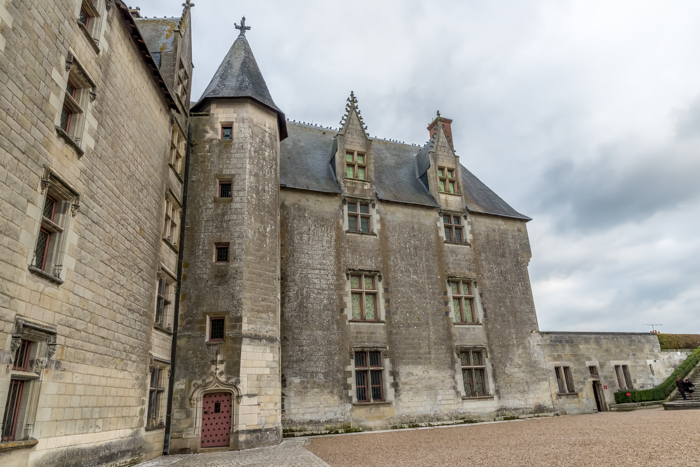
(164, 302)
(363, 290)
(22, 356)
(565, 380)
(12, 409)
(216, 329)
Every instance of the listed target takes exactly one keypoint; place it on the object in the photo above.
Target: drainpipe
(176, 312)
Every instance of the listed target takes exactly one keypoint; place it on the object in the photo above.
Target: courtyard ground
(642, 438)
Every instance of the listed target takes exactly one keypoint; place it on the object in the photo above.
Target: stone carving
(69, 61)
(51, 347)
(213, 381)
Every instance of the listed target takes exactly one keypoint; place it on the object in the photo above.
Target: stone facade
(84, 306)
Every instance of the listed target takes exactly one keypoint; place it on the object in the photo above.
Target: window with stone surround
(32, 346)
(356, 165)
(369, 376)
(165, 298)
(217, 326)
(359, 216)
(473, 372)
(59, 202)
(565, 381)
(364, 297)
(463, 305)
(156, 393)
(183, 81)
(78, 92)
(448, 180)
(88, 21)
(624, 379)
(171, 223)
(453, 226)
(177, 150)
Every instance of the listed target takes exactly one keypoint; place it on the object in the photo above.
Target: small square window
(216, 329)
(222, 253)
(227, 132)
(224, 188)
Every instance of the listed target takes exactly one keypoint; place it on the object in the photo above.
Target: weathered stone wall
(639, 351)
(418, 331)
(246, 289)
(93, 392)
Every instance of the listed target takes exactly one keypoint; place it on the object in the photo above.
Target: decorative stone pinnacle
(188, 4)
(243, 28)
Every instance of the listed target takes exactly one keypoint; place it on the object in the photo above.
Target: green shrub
(663, 390)
(679, 341)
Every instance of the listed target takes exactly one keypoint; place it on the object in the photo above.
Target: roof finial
(242, 27)
(188, 4)
(438, 114)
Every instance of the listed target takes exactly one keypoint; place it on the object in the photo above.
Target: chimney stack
(446, 123)
(135, 12)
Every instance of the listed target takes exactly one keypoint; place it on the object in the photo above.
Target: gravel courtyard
(642, 438)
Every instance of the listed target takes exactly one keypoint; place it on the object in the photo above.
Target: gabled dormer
(353, 160)
(439, 168)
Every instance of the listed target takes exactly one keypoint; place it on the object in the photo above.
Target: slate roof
(239, 76)
(159, 33)
(305, 163)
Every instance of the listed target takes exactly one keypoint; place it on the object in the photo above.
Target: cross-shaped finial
(242, 27)
(438, 112)
(188, 4)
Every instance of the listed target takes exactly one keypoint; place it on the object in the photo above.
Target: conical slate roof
(238, 76)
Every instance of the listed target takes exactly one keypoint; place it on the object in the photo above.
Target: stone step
(682, 405)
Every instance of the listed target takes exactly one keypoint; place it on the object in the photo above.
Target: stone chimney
(446, 123)
(135, 12)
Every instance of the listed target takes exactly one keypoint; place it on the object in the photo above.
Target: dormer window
(448, 180)
(356, 165)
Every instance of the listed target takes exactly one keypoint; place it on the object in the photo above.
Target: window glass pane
(227, 132)
(446, 220)
(221, 254)
(458, 310)
(442, 185)
(464, 358)
(42, 245)
(457, 220)
(468, 383)
(356, 306)
(376, 385)
(477, 358)
(361, 173)
(352, 223)
(369, 282)
(452, 187)
(441, 172)
(350, 171)
(348, 157)
(468, 311)
(448, 234)
(49, 206)
(455, 288)
(83, 16)
(369, 306)
(375, 359)
(450, 173)
(466, 288)
(360, 359)
(352, 207)
(355, 282)
(458, 235)
(65, 120)
(364, 209)
(364, 223)
(225, 190)
(360, 159)
(361, 384)
(479, 386)
(70, 89)
(217, 329)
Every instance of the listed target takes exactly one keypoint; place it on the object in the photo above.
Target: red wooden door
(216, 420)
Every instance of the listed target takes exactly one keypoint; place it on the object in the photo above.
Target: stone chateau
(182, 277)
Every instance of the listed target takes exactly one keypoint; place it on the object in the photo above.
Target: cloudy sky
(584, 115)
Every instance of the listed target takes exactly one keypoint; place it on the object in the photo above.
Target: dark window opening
(222, 254)
(66, 117)
(227, 132)
(49, 208)
(41, 252)
(22, 356)
(216, 329)
(565, 380)
(84, 17)
(225, 189)
(163, 302)
(155, 393)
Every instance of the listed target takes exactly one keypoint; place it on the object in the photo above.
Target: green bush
(663, 390)
(679, 341)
